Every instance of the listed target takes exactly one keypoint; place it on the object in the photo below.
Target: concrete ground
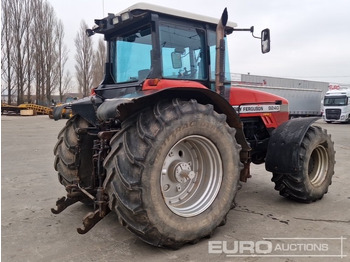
(262, 219)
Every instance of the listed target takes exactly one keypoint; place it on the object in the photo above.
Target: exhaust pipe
(220, 54)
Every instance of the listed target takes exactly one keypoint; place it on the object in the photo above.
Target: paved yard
(30, 232)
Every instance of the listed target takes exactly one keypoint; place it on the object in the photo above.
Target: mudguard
(57, 112)
(283, 150)
(123, 107)
(86, 108)
(109, 109)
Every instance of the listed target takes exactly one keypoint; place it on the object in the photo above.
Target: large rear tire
(172, 172)
(73, 152)
(317, 159)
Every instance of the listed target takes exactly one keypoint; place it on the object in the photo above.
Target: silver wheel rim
(318, 165)
(191, 176)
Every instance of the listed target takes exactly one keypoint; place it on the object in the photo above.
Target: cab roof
(174, 12)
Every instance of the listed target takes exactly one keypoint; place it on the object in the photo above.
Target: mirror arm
(255, 36)
(251, 29)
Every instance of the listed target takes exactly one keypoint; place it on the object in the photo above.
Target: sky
(310, 39)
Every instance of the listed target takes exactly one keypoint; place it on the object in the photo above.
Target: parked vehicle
(336, 106)
(160, 143)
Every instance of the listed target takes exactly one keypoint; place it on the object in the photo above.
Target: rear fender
(123, 107)
(283, 149)
(86, 108)
(57, 112)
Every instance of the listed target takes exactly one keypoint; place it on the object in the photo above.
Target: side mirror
(265, 41)
(176, 60)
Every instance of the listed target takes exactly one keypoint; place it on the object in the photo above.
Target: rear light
(92, 91)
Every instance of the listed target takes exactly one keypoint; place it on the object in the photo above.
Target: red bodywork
(244, 96)
(238, 97)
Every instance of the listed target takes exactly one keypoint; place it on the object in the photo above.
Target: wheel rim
(191, 176)
(318, 165)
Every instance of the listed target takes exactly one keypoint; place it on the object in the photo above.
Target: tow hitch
(96, 194)
(92, 218)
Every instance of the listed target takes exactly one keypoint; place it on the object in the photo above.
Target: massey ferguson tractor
(164, 140)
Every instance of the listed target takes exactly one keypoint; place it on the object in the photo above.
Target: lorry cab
(336, 106)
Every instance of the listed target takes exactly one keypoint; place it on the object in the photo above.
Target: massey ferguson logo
(257, 108)
(252, 109)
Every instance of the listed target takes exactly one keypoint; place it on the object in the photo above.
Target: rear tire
(172, 172)
(317, 158)
(73, 153)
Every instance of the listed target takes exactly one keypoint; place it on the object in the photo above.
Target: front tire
(172, 172)
(317, 159)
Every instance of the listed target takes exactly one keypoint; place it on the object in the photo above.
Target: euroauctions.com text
(280, 247)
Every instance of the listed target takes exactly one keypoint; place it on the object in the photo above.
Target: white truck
(336, 106)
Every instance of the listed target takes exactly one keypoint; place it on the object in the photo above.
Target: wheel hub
(183, 172)
(191, 176)
(318, 165)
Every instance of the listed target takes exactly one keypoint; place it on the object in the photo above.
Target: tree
(84, 59)
(62, 57)
(99, 63)
(50, 51)
(39, 55)
(18, 28)
(67, 78)
(7, 70)
(32, 51)
(28, 43)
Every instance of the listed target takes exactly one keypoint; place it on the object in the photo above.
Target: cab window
(183, 52)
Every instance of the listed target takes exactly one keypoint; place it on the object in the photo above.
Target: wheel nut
(178, 187)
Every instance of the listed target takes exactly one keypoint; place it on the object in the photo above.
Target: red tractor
(164, 140)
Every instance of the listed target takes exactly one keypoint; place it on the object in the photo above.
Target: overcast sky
(310, 38)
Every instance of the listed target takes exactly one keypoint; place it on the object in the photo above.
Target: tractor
(165, 140)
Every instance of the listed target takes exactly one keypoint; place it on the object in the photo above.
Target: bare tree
(28, 43)
(17, 25)
(38, 51)
(7, 69)
(67, 81)
(62, 57)
(50, 52)
(99, 63)
(32, 49)
(83, 58)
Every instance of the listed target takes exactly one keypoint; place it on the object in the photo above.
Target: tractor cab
(152, 42)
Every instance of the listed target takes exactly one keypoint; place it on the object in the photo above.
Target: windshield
(335, 101)
(131, 56)
(183, 55)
